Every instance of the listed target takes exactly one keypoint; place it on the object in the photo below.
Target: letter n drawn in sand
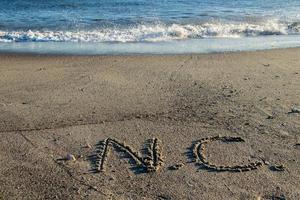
(151, 162)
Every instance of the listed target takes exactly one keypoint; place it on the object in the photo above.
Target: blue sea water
(133, 26)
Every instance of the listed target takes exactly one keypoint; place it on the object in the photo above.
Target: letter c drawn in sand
(200, 157)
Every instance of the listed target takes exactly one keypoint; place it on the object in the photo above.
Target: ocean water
(115, 26)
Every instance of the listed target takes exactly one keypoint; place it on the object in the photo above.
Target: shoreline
(143, 54)
(55, 110)
(176, 47)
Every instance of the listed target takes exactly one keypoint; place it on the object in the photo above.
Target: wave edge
(155, 33)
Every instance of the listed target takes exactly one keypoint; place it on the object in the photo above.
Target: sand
(160, 106)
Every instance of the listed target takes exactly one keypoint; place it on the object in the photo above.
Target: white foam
(154, 33)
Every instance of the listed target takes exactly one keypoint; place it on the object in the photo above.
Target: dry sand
(51, 106)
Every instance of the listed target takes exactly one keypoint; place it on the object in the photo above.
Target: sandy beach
(55, 106)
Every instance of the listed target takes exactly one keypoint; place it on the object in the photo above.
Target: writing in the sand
(153, 160)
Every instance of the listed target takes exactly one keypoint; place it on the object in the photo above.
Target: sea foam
(155, 33)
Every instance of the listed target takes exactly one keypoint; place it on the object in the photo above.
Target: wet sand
(52, 106)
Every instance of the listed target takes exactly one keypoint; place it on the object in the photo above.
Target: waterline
(172, 47)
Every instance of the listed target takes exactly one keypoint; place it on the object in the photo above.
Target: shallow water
(172, 47)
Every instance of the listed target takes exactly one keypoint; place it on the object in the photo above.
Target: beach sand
(52, 106)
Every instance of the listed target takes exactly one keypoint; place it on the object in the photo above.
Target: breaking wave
(155, 33)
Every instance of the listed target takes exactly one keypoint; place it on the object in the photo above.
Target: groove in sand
(200, 157)
(152, 162)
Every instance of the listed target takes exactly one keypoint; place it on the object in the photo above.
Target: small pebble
(267, 162)
(176, 166)
(259, 198)
(71, 157)
(265, 132)
(295, 110)
(297, 145)
(277, 168)
(284, 133)
(93, 188)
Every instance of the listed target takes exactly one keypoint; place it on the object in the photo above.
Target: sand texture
(163, 127)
